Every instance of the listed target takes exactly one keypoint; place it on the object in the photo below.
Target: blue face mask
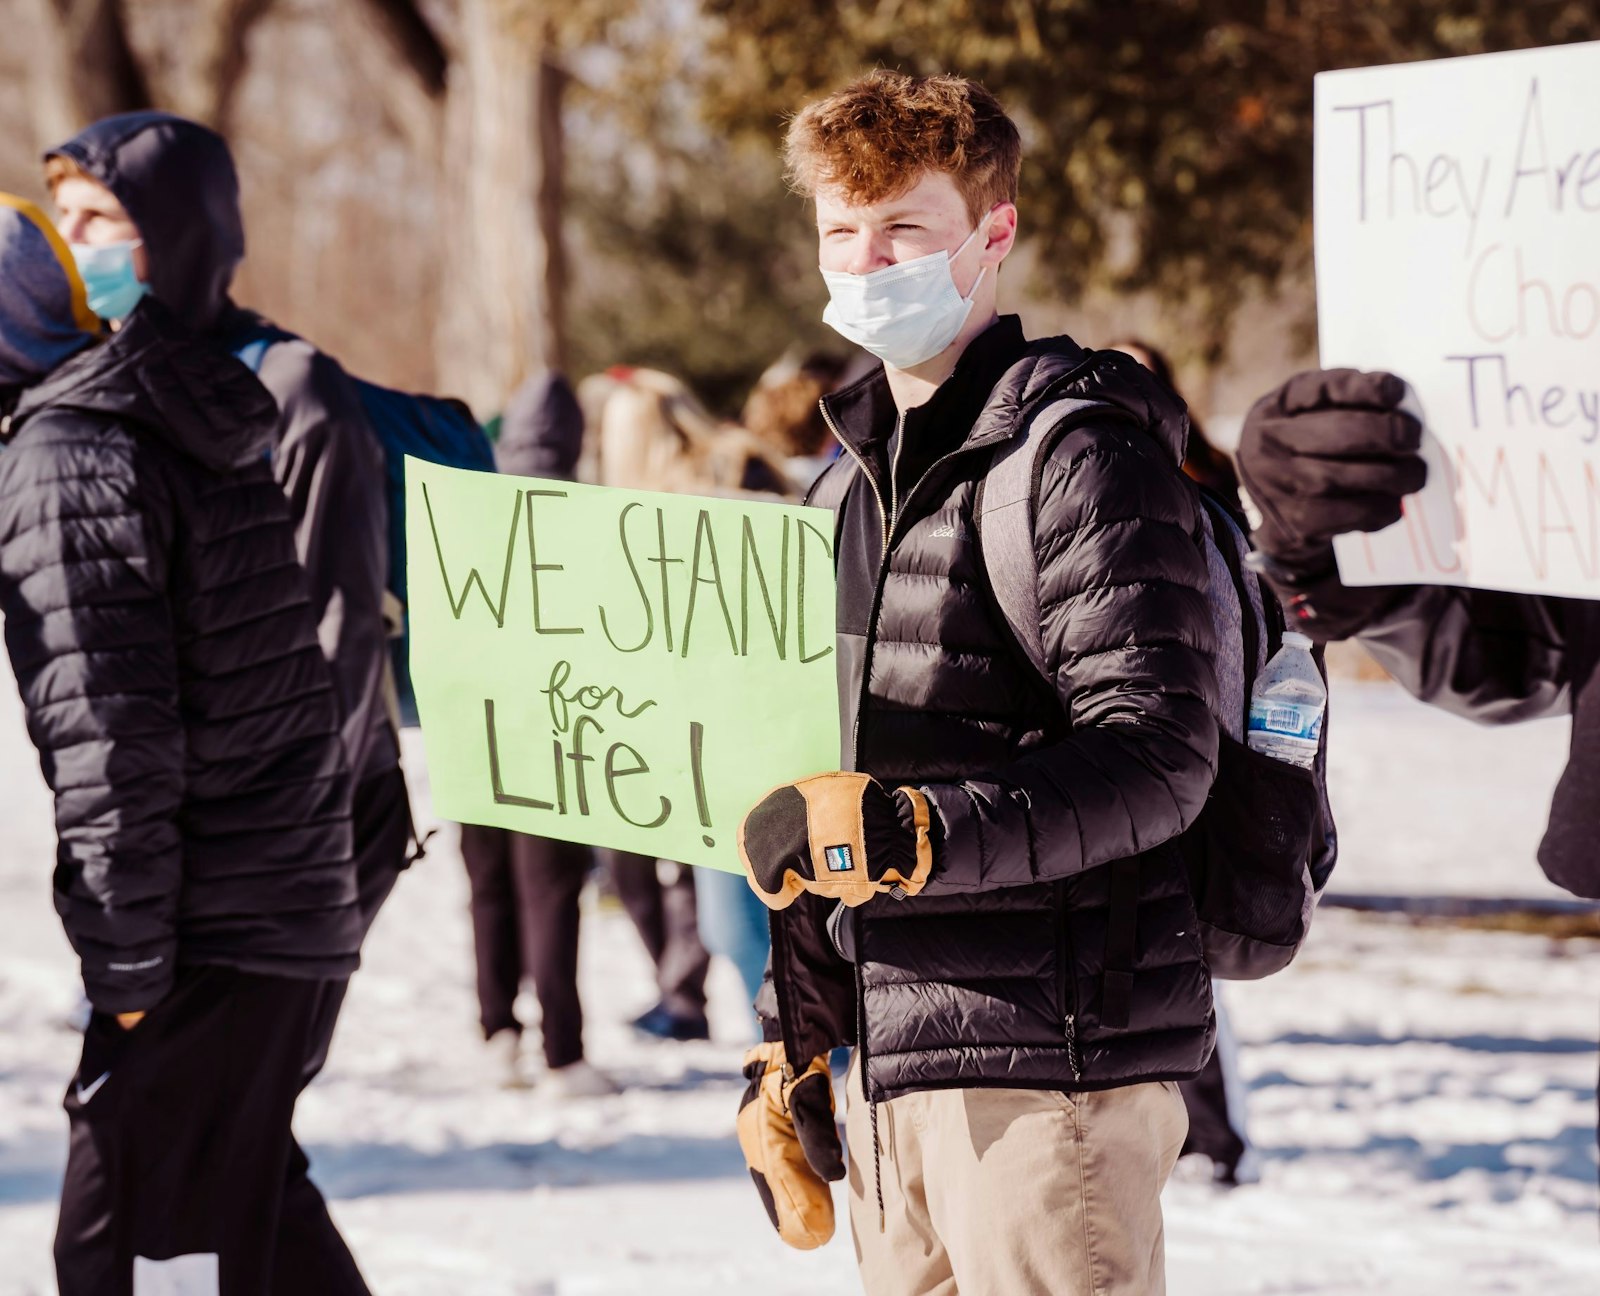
(108, 275)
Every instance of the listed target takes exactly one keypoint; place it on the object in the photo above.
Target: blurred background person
(525, 889)
(784, 413)
(1206, 464)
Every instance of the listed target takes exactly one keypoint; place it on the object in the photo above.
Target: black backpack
(1264, 845)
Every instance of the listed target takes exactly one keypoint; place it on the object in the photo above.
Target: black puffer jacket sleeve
(1490, 656)
(1130, 646)
(1487, 655)
(91, 638)
(330, 466)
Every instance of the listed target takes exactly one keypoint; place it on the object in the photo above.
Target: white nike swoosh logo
(84, 1095)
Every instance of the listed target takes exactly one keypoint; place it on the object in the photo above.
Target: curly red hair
(877, 136)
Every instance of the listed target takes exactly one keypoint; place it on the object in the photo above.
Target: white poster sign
(1458, 245)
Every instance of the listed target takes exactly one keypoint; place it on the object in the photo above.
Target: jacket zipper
(1066, 990)
(872, 480)
(894, 485)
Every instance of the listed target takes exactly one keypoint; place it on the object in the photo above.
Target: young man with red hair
(985, 898)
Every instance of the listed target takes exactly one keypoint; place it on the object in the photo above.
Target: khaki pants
(1014, 1192)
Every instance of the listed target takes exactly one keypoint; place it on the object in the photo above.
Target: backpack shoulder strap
(1005, 517)
(1237, 619)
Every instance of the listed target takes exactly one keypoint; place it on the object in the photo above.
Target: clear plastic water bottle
(1287, 705)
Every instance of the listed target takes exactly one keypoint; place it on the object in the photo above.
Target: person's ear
(1002, 233)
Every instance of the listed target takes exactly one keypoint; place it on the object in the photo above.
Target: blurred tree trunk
(553, 349)
(84, 69)
(502, 288)
(495, 98)
(483, 108)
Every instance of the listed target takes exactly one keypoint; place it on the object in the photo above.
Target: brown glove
(840, 835)
(791, 1144)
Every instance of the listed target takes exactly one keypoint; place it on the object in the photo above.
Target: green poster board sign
(624, 668)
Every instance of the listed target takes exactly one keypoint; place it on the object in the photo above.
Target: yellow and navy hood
(44, 313)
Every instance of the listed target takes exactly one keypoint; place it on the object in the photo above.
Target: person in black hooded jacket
(162, 637)
(986, 899)
(165, 189)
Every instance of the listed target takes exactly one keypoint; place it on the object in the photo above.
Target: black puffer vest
(1056, 945)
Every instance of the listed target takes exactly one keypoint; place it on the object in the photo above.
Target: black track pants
(668, 924)
(181, 1150)
(525, 894)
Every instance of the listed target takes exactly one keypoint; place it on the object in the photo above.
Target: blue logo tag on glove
(838, 858)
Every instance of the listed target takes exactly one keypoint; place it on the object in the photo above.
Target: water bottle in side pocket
(1287, 705)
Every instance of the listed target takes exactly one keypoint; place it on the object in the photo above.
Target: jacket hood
(1058, 367)
(177, 181)
(44, 314)
(541, 432)
(154, 373)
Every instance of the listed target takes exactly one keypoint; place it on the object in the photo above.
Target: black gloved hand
(791, 1143)
(1326, 453)
(838, 835)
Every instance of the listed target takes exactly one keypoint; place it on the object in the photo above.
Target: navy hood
(154, 374)
(177, 181)
(44, 316)
(541, 431)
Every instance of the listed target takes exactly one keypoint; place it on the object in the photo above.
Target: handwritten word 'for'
(651, 563)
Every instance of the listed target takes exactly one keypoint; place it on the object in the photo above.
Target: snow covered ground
(1430, 804)
(1423, 1098)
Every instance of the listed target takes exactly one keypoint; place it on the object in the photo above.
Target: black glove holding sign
(1328, 452)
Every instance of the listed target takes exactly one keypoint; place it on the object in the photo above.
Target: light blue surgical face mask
(905, 313)
(108, 275)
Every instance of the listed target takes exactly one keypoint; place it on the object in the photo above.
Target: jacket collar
(863, 414)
